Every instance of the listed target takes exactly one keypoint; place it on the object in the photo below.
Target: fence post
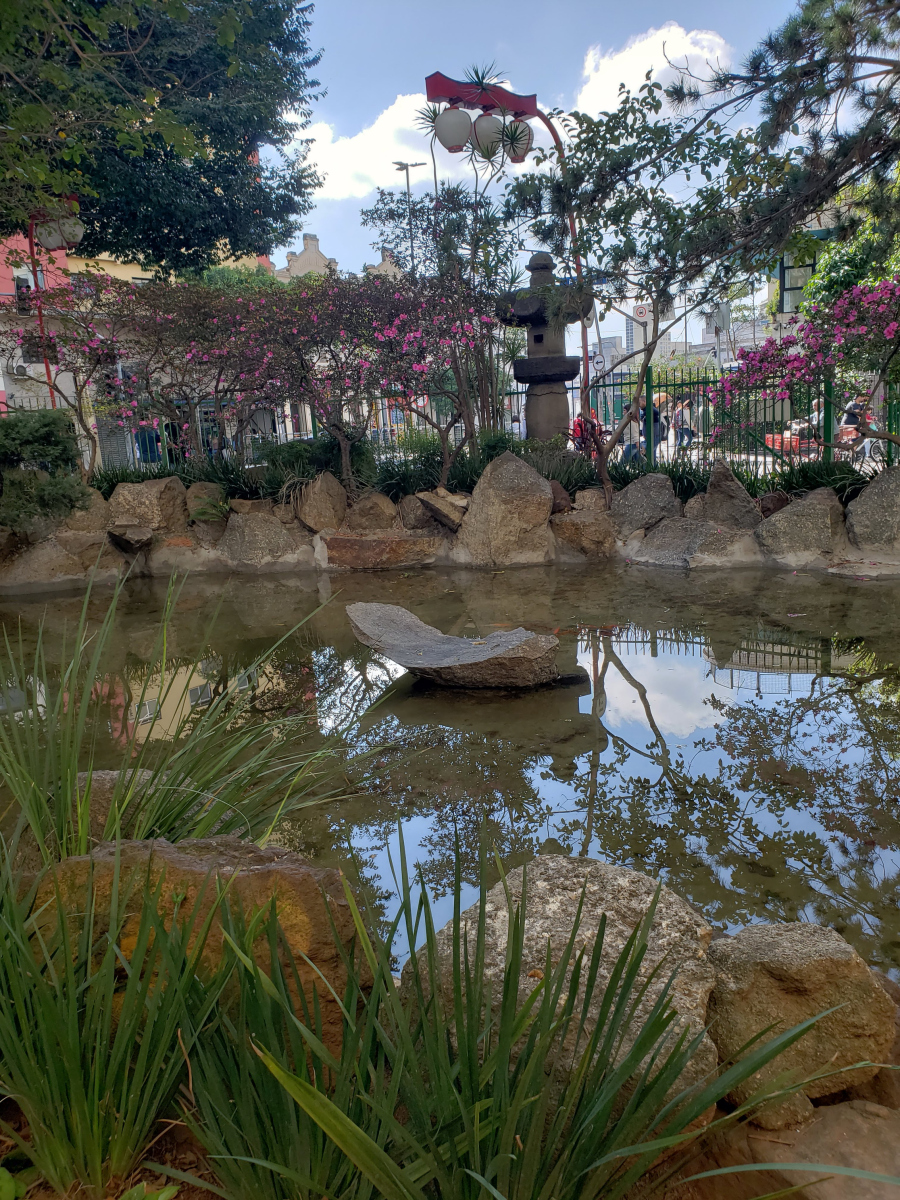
(648, 416)
(828, 421)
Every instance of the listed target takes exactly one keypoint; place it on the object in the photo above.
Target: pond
(736, 735)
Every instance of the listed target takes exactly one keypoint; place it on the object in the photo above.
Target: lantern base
(546, 411)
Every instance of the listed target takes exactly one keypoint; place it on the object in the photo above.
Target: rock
(562, 501)
(589, 531)
(190, 872)
(414, 514)
(47, 563)
(91, 549)
(257, 505)
(380, 552)
(323, 503)
(513, 658)
(203, 502)
(507, 522)
(130, 539)
(253, 539)
(9, 542)
(677, 940)
(284, 513)
(371, 512)
(643, 504)
(593, 499)
(726, 501)
(858, 1134)
(884, 1088)
(772, 502)
(93, 519)
(683, 542)
(156, 504)
(443, 508)
(873, 518)
(785, 974)
(805, 532)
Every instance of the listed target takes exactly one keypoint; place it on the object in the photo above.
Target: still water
(737, 736)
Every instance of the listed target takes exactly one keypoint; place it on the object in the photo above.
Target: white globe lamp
(487, 133)
(518, 138)
(453, 128)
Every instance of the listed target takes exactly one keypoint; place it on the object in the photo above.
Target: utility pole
(405, 166)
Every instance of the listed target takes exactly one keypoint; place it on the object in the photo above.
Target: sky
(573, 54)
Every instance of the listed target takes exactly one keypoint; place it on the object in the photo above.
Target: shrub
(38, 455)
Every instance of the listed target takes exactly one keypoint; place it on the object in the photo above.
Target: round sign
(599, 361)
(640, 311)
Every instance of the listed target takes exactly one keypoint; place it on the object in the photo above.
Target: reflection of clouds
(677, 688)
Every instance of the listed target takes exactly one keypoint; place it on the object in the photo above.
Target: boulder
(380, 552)
(562, 501)
(677, 940)
(284, 513)
(372, 512)
(684, 542)
(414, 514)
(726, 502)
(806, 532)
(873, 518)
(93, 519)
(40, 565)
(257, 505)
(91, 549)
(130, 539)
(785, 974)
(443, 507)
(156, 504)
(773, 502)
(190, 873)
(203, 501)
(884, 1088)
(323, 503)
(589, 531)
(859, 1134)
(643, 504)
(593, 499)
(512, 658)
(254, 539)
(507, 522)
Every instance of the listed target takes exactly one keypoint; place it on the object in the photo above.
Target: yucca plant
(260, 1144)
(220, 768)
(500, 1097)
(94, 1038)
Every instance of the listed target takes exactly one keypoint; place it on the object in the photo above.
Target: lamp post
(454, 129)
(52, 233)
(405, 166)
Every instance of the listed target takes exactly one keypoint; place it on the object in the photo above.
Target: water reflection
(737, 737)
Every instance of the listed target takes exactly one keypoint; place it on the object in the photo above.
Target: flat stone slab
(507, 658)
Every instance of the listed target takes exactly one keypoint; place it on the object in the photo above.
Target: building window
(246, 680)
(200, 697)
(33, 351)
(140, 280)
(144, 713)
(793, 276)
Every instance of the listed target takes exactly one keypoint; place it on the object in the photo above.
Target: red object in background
(439, 88)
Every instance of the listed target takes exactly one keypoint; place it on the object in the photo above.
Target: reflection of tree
(743, 844)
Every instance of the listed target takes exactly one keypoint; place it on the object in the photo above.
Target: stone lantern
(548, 368)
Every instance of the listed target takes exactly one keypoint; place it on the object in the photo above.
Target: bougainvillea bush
(853, 341)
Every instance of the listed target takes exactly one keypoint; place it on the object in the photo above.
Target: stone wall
(514, 518)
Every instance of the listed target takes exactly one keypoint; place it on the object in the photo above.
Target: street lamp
(454, 128)
(52, 233)
(405, 166)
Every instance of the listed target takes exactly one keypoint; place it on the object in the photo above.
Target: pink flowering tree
(854, 341)
(88, 331)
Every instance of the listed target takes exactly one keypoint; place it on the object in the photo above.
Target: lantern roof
(439, 87)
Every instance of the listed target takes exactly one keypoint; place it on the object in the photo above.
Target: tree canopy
(156, 115)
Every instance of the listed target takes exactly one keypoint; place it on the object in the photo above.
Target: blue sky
(573, 54)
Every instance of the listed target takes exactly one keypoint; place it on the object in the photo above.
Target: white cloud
(355, 166)
(677, 690)
(652, 51)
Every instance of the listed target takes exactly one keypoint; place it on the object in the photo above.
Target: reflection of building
(310, 261)
(157, 714)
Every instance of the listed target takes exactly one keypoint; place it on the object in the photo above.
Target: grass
(93, 1042)
(220, 769)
